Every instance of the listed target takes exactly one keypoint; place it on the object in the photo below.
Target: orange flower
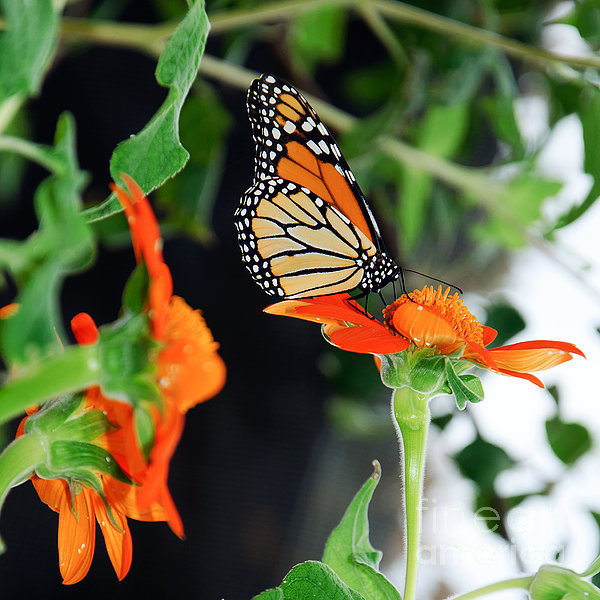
(428, 318)
(189, 371)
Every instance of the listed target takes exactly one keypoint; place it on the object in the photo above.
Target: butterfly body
(304, 227)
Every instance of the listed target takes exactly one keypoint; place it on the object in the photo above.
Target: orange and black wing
(304, 227)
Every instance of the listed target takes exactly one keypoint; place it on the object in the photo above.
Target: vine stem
(508, 584)
(77, 368)
(34, 152)
(411, 416)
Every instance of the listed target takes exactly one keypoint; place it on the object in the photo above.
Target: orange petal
(144, 229)
(336, 310)
(124, 498)
(189, 369)
(84, 329)
(526, 356)
(425, 327)
(161, 289)
(76, 536)
(366, 340)
(9, 310)
(52, 492)
(489, 335)
(118, 543)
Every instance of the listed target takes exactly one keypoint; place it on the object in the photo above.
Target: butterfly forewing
(304, 226)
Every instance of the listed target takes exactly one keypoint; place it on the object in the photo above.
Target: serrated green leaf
(26, 45)
(569, 441)
(156, 153)
(349, 552)
(316, 581)
(482, 462)
(272, 594)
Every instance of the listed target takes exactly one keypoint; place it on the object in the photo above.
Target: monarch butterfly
(304, 227)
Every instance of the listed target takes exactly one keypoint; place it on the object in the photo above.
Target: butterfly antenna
(459, 290)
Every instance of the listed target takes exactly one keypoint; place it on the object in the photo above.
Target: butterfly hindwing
(296, 245)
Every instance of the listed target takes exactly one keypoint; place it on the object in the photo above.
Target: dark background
(259, 478)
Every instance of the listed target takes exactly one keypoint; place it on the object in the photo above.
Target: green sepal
(418, 369)
(86, 427)
(54, 414)
(94, 483)
(144, 430)
(349, 552)
(127, 373)
(552, 582)
(465, 388)
(70, 456)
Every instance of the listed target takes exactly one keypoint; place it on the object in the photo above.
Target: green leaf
(63, 244)
(589, 108)
(318, 36)
(466, 388)
(155, 153)
(349, 552)
(272, 594)
(440, 134)
(316, 581)
(482, 462)
(311, 580)
(522, 199)
(569, 441)
(26, 45)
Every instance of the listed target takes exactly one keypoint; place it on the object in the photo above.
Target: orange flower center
(431, 318)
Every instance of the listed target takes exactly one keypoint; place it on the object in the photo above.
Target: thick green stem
(75, 369)
(17, 463)
(411, 414)
(509, 584)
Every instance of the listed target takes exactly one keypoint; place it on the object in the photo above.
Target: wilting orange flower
(189, 371)
(428, 318)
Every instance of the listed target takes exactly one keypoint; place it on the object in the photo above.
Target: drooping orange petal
(161, 289)
(52, 492)
(189, 369)
(144, 229)
(124, 498)
(84, 329)
(118, 543)
(154, 486)
(76, 536)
